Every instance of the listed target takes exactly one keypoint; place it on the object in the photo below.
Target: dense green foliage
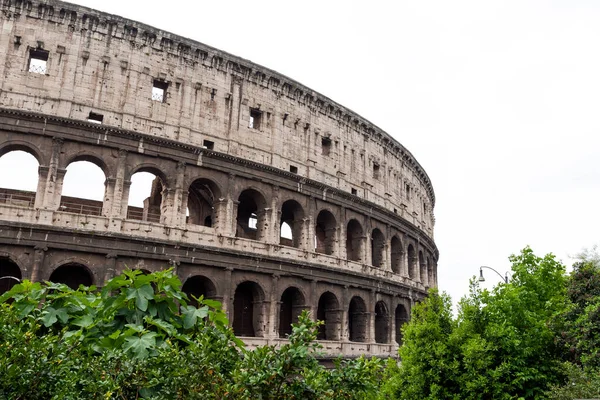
(501, 345)
(141, 338)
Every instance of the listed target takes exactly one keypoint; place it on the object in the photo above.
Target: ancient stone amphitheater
(268, 196)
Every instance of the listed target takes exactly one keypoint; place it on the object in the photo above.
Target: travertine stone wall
(233, 142)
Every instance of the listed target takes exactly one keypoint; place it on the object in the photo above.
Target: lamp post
(482, 279)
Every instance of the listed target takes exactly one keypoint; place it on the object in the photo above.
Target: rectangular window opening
(208, 144)
(325, 145)
(38, 61)
(255, 117)
(376, 171)
(159, 91)
(95, 118)
(407, 192)
(354, 191)
(293, 169)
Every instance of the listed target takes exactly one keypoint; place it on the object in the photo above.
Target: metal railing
(80, 208)
(18, 199)
(138, 214)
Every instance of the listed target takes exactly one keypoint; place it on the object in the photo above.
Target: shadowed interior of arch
(328, 311)
(248, 317)
(291, 306)
(72, 275)
(196, 286)
(10, 274)
(401, 317)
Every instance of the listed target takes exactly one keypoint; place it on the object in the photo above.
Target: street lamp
(482, 279)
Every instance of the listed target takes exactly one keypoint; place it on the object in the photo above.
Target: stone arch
(251, 215)
(152, 207)
(382, 322)
(248, 313)
(328, 311)
(422, 269)
(291, 305)
(325, 231)
(292, 214)
(72, 274)
(83, 188)
(87, 156)
(397, 253)
(412, 261)
(354, 240)
(400, 317)
(21, 145)
(199, 285)
(357, 320)
(377, 248)
(203, 194)
(10, 274)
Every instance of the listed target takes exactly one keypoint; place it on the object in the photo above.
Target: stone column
(41, 187)
(118, 192)
(342, 234)
(272, 331)
(174, 199)
(344, 310)
(371, 318)
(54, 177)
(110, 268)
(125, 199)
(108, 199)
(274, 233)
(227, 289)
(313, 301)
(39, 253)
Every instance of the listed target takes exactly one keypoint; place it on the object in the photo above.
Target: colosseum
(267, 195)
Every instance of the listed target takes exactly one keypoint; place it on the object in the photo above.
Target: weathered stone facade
(238, 149)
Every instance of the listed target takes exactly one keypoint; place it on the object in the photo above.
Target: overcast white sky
(498, 101)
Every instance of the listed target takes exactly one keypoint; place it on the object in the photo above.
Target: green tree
(499, 347)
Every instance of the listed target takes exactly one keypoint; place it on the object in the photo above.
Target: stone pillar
(41, 187)
(344, 310)
(172, 199)
(108, 199)
(39, 253)
(273, 331)
(342, 234)
(118, 192)
(227, 289)
(54, 177)
(313, 300)
(274, 231)
(307, 241)
(371, 318)
(232, 205)
(125, 199)
(221, 223)
(110, 268)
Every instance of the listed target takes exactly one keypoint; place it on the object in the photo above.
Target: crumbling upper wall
(108, 65)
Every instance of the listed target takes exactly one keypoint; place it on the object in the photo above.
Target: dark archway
(401, 317)
(354, 239)
(422, 269)
(357, 320)
(412, 262)
(10, 274)
(292, 304)
(251, 218)
(377, 248)
(325, 233)
(248, 310)
(382, 323)
(397, 253)
(72, 275)
(292, 215)
(201, 202)
(328, 311)
(199, 286)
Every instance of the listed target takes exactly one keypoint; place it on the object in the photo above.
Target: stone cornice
(84, 19)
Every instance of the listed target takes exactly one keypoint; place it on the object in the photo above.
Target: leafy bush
(141, 338)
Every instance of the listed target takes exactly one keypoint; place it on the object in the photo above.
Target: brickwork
(242, 148)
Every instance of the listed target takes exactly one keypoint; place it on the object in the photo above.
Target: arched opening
(412, 262)
(422, 269)
(377, 247)
(248, 318)
(328, 311)
(430, 272)
(201, 203)
(251, 215)
(197, 286)
(83, 188)
(290, 224)
(354, 239)
(357, 320)
(10, 274)
(396, 245)
(401, 318)
(72, 275)
(292, 304)
(325, 233)
(18, 189)
(145, 197)
(382, 321)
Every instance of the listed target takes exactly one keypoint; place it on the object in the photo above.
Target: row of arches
(249, 316)
(205, 204)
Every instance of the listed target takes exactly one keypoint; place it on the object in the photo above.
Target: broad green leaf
(140, 346)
